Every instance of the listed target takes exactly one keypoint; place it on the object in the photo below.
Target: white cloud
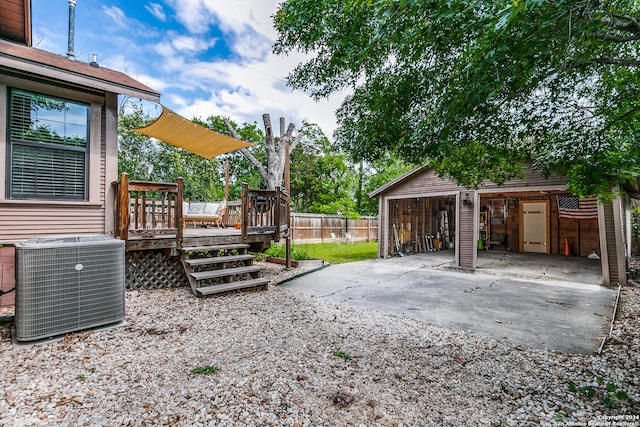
(254, 14)
(164, 49)
(116, 14)
(125, 65)
(156, 10)
(251, 46)
(193, 14)
(244, 94)
(247, 24)
(152, 81)
(190, 44)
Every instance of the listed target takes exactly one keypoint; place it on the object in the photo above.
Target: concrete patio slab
(553, 304)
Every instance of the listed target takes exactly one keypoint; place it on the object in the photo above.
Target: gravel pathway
(284, 359)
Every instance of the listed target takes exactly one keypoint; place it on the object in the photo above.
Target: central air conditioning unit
(68, 283)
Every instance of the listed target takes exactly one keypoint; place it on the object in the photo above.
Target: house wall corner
(7, 274)
(111, 160)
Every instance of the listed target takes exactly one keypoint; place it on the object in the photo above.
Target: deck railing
(148, 209)
(266, 211)
(151, 209)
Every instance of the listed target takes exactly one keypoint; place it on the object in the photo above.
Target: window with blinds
(48, 147)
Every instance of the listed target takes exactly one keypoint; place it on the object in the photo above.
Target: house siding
(110, 174)
(14, 21)
(427, 182)
(103, 169)
(626, 215)
(615, 241)
(27, 68)
(467, 226)
(610, 241)
(424, 183)
(23, 219)
(7, 274)
(382, 227)
(23, 222)
(532, 180)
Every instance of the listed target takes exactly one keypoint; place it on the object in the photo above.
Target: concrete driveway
(566, 311)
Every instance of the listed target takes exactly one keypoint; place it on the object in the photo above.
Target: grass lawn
(338, 253)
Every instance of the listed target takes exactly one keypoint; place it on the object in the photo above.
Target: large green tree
(475, 87)
(240, 168)
(136, 152)
(375, 175)
(322, 178)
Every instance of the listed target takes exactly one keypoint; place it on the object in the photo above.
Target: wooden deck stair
(221, 268)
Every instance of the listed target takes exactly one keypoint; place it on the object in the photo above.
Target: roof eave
(30, 66)
(398, 180)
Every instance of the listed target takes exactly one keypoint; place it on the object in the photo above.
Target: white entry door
(534, 227)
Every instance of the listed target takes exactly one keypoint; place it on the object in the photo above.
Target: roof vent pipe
(94, 62)
(72, 19)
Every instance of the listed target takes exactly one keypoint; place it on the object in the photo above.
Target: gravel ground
(284, 359)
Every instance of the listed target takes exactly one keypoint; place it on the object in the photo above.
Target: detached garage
(420, 212)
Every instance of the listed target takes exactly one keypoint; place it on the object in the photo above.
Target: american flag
(572, 207)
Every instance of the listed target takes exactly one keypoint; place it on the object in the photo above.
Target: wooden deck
(149, 216)
(257, 239)
(214, 257)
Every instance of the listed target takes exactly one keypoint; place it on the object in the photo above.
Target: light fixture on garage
(467, 201)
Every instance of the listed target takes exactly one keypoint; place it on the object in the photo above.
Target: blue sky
(206, 57)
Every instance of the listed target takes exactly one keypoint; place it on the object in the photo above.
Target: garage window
(48, 147)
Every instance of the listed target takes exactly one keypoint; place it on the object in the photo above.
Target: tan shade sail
(176, 130)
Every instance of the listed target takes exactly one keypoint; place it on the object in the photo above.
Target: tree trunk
(273, 173)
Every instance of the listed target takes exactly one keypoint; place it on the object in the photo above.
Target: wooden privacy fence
(318, 228)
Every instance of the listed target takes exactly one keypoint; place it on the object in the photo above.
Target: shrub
(280, 251)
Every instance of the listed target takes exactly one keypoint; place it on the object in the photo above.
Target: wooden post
(276, 220)
(287, 188)
(287, 169)
(178, 209)
(578, 248)
(225, 218)
(244, 212)
(430, 213)
(136, 211)
(288, 215)
(558, 222)
(144, 210)
(123, 202)
(637, 231)
(226, 180)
